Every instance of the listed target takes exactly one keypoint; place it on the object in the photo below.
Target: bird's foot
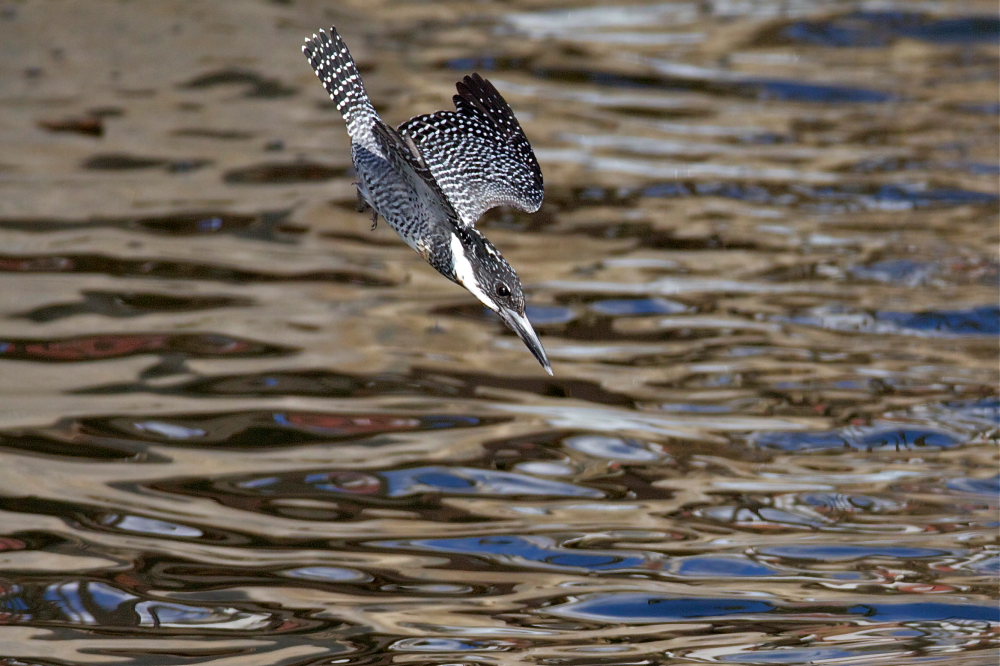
(364, 206)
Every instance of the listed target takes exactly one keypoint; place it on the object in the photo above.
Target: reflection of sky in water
(624, 307)
(474, 481)
(543, 552)
(640, 608)
(411, 481)
(983, 320)
(144, 525)
(96, 603)
(990, 487)
(841, 553)
(328, 574)
(885, 437)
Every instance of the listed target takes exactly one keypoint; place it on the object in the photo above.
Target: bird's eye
(503, 291)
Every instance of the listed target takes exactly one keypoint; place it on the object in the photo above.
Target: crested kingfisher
(436, 174)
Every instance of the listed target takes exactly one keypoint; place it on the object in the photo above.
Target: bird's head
(479, 267)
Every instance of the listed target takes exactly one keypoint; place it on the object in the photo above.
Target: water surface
(238, 426)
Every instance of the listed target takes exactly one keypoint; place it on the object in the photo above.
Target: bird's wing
(427, 205)
(478, 154)
(406, 158)
(333, 64)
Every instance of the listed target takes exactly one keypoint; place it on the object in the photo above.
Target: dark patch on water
(108, 346)
(206, 133)
(86, 125)
(261, 225)
(275, 173)
(123, 162)
(879, 29)
(175, 270)
(256, 85)
(483, 63)
(752, 88)
(650, 236)
(203, 223)
(128, 304)
(65, 443)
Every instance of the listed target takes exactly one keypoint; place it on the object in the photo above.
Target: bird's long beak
(519, 324)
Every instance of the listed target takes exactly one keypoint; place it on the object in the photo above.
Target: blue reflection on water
(891, 196)
(624, 307)
(539, 315)
(472, 480)
(640, 608)
(866, 439)
(637, 608)
(797, 91)
(540, 550)
(871, 29)
(984, 320)
(842, 553)
(989, 486)
(927, 610)
(722, 566)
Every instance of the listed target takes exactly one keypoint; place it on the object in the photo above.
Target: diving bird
(433, 177)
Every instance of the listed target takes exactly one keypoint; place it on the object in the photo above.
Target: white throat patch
(466, 276)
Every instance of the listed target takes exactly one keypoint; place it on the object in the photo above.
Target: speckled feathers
(478, 153)
(433, 177)
(333, 64)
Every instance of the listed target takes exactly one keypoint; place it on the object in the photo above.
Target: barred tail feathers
(335, 68)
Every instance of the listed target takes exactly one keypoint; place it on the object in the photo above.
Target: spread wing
(425, 208)
(478, 154)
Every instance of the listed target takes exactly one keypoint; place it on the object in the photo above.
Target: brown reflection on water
(236, 424)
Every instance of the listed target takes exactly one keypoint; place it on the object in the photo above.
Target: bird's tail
(335, 68)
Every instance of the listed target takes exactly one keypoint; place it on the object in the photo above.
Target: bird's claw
(364, 206)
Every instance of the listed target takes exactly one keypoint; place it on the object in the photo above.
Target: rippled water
(239, 427)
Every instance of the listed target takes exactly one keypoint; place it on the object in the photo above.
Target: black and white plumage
(434, 177)
(478, 153)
